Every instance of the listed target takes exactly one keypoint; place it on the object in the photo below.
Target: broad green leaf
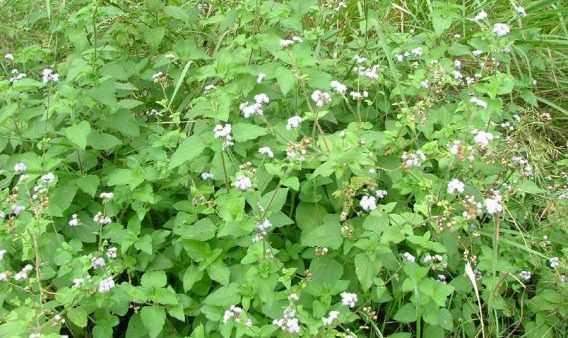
(103, 141)
(328, 235)
(245, 131)
(406, 313)
(154, 279)
(189, 149)
(202, 230)
(78, 134)
(153, 318)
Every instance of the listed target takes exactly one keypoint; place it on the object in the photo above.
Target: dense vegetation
(291, 168)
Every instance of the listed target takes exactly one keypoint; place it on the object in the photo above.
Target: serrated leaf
(154, 279)
(187, 150)
(286, 79)
(245, 131)
(191, 275)
(328, 235)
(406, 314)
(153, 318)
(78, 134)
(202, 230)
(103, 141)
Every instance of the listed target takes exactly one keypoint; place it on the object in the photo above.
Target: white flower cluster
(9, 56)
(2, 253)
(321, 98)
(159, 77)
(294, 122)
(23, 274)
(20, 168)
(243, 182)
(78, 282)
(154, 112)
(482, 138)
(476, 208)
(527, 168)
(112, 252)
(74, 221)
(381, 194)
(101, 219)
(206, 176)
(368, 203)
(480, 16)
(331, 317)
(106, 196)
(288, 322)
(338, 87)
(358, 96)
(455, 185)
(289, 42)
(16, 76)
(349, 299)
(266, 151)
(224, 132)
(48, 178)
(413, 160)
(235, 313)
(17, 209)
(478, 102)
(501, 29)
(261, 230)
(106, 285)
(554, 262)
(49, 76)
(525, 275)
(254, 109)
(494, 204)
(409, 257)
(98, 262)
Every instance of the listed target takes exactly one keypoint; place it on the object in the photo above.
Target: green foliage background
(185, 250)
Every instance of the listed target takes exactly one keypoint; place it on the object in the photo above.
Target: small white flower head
(338, 87)
(224, 132)
(3, 276)
(455, 185)
(288, 322)
(261, 98)
(331, 317)
(17, 76)
(112, 252)
(106, 285)
(158, 77)
(359, 59)
(78, 282)
(297, 39)
(250, 110)
(478, 102)
(368, 203)
(554, 262)
(233, 313)
(482, 138)
(381, 194)
(286, 43)
(340, 5)
(358, 96)
(20, 168)
(413, 160)
(9, 56)
(348, 299)
(206, 176)
(209, 87)
(408, 257)
(521, 11)
(321, 98)
(260, 78)
(18, 209)
(501, 29)
(457, 64)
(97, 262)
(425, 84)
(2, 253)
(261, 230)
(457, 74)
(417, 51)
(480, 16)
(525, 275)
(293, 297)
(455, 148)
(243, 183)
(48, 178)
(106, 196)
(294, 122)
(494, 204)
(74, 221)
(101, 219)
(49, 76)
(477, 52)
(266, 151)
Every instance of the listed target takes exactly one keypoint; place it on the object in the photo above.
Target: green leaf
(286, 79)
(202, 230)
(153, 318)
(245, 131)
(103, 141)
(154, 36)
(366, 270)
(445, 319)
(78, 316)
(406, 314)
(189, 149)
(324, 235)
(78, 134)
(124, 177)
(154, 279)
(442, 16)
(191, 275)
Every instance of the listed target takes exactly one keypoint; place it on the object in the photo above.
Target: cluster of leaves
(356, 195)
